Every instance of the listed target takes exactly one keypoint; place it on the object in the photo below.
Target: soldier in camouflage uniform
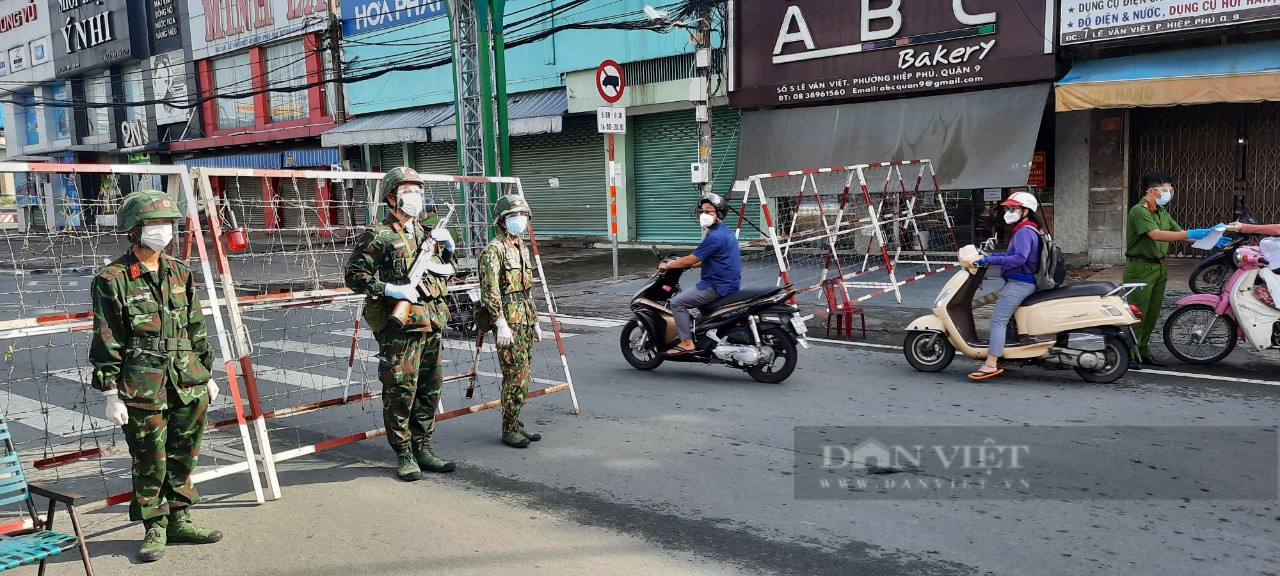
(151, 360)
(506, 303)
(408, 354)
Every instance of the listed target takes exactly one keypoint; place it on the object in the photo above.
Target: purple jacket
(1023, 258)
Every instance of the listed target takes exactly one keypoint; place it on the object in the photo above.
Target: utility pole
(701, 95)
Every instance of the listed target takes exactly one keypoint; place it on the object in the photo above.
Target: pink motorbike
(1206, 327)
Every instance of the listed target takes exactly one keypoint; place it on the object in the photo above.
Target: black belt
(516, 296)
(1144, 260)
(161, 344)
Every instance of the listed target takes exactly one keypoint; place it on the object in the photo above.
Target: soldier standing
(506, 303)
(408, 347)
(151, 360)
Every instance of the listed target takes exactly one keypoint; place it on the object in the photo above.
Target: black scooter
(751, 329)
(1213, 271)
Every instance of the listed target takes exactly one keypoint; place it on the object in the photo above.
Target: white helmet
(1023, 199)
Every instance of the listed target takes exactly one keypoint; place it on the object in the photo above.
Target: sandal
(678, 350)
(981, 375)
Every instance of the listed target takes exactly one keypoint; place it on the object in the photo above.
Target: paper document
(1215, 234)
(1271, 251)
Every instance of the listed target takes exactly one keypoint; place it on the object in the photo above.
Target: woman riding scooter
(1017, 267)
(1261, 292)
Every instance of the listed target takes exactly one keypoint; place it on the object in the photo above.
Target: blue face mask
(516, 224)
(1165, 196)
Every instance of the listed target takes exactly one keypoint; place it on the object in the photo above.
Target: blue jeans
(1011, 296)
(687, 300)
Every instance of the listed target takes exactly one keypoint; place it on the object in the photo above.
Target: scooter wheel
(1117, 354)
(638, 347)
(928, 351)
(1196, 334)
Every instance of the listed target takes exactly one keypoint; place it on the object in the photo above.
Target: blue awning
(389, 128)
(261, 161)
(1239, 73)
(308, 158)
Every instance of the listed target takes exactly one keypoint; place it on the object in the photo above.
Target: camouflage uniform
(506, 282)
(408, 357)
(150, 344)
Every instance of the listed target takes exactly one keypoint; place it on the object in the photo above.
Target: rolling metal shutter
(665, 145)
(298, 200)
(439, 158)
(244, 194)
(576, 157)
(392, 156)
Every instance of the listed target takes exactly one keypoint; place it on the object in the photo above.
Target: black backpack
(1053, 266)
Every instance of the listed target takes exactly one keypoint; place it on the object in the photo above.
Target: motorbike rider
(1017, 267)
(721, 265)
(1262, 292)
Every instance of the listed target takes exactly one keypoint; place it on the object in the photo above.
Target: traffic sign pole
(611, 83)
(613, 205)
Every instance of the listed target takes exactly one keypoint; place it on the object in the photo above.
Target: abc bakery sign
(806, 51)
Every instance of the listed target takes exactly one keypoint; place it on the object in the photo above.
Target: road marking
(583, 321)
(52, 418)
(320, 349)
(292, 377)
(1207, 377)
(862, 344)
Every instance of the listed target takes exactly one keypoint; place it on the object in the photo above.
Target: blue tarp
(1215, 61)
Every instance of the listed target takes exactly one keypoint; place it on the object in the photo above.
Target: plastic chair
(40, 542)
(839, 308)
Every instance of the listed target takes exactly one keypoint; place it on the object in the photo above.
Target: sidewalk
(343, 516)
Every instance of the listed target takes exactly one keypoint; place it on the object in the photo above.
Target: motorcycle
(1213, 271)
(752, 329)
(1206, 327)
(462, 298)
(1086, 326)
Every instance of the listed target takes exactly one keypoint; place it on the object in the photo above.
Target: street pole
(613, 205)
(703, 107)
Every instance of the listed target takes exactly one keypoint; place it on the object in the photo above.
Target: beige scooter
(1085, 326)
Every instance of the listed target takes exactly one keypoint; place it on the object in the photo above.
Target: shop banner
(809, 51)
(1097, 20)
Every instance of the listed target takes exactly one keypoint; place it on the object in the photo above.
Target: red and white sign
(610, 81)
(1039, 174)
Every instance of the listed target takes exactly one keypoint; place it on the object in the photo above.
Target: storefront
(965, 89)
(1196, 97)
(664, 196)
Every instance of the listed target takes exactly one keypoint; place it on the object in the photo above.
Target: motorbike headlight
(1238, 257)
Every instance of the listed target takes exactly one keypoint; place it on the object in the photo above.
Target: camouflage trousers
(409, 368)
(165, 445)
(516, 374)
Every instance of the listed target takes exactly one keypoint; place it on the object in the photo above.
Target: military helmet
(397, 176)
(145, 205)
(508, 205)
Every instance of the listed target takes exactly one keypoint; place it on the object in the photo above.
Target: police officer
(506, 304)
(152, 361)
(1148, 231)
(408, 346)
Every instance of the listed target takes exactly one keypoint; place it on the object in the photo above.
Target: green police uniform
(151, 346)
(409, 364)
(1145, 264)
(506, 284)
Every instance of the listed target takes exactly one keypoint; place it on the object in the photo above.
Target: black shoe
(1153, 361)
(1135, 364)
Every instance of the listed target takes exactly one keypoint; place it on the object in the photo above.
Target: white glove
(117, 413)
(401, 292)
(537, 331)
(505, 338)
(212, 385)
(443, 236)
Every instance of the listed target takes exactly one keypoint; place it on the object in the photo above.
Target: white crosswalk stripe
(319, 349)
(581, 321)
(56, 419)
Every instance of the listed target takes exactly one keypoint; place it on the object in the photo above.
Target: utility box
(700, 173)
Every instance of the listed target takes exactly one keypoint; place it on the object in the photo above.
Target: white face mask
(1011, 217)
(517, 224)
(411, 203)
(157, 236)
(706, 220)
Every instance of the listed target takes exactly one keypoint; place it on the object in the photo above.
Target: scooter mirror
(655, 251)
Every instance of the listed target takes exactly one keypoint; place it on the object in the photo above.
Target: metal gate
(1213, 152)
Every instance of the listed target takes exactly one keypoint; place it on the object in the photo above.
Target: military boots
(183, 528)
(407, 467)
(515, 439)
(154, 541)
(429, 461)
(532, 436)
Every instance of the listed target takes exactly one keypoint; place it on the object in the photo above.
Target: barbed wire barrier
(865, 230)
(46, 325)
(309, 365)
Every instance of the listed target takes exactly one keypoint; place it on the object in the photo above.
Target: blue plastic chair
(39, 543)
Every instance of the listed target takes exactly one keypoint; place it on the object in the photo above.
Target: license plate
(798, 324)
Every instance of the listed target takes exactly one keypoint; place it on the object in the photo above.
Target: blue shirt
(721, 262)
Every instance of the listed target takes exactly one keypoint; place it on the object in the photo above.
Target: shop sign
(1097, 20)
(140, 158)
(805, 51)
(24, 38)
(1039, 174)
(360, 16)
(89, 34)
(134, 134)
(224, 26)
